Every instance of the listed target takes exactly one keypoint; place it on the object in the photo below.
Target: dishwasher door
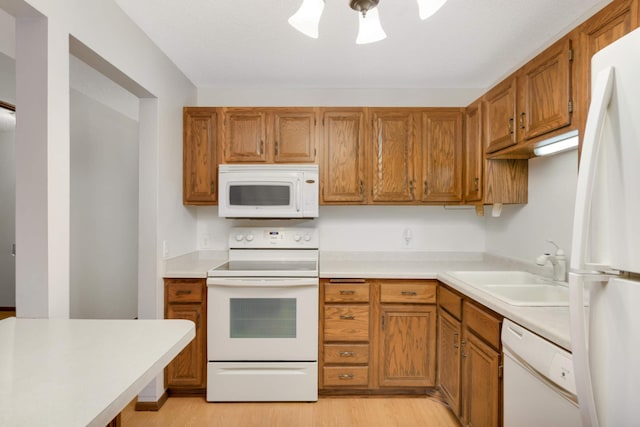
(539, 386)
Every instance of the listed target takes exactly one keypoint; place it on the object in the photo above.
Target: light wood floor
(327, 412)
(5, 314)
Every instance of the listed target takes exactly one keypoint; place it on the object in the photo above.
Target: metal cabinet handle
(522, 115)
(213, 185)
(476, 182)
(183, 292)
(345, 376)
(426, 187)
(347, 354)
(347, 292)
(511, 126)
(277, 148)
(347, 317)
(261, 151)
(361, 187)
(455, 340)
(409, 293)
(412, 187)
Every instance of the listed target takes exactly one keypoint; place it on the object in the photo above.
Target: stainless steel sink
(517, 287)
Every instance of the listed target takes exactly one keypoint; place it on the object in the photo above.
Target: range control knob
(239, 237)
(307, 237)
(249, 237)
(296, 237)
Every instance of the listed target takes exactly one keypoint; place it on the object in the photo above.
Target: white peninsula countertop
(61, 372)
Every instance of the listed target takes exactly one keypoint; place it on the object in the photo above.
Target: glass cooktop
(257, 268)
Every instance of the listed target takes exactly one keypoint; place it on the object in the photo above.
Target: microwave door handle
(297, 196)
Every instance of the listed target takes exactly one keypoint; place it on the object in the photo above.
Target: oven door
(262, 319)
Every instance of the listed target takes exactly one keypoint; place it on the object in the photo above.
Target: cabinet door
(245, 136)
(449, 359)
(294, 136)
(473, 154)
(442, 156)
(200, 142)
(393, 140)
(500, 105)
(545, 93)
(605, 27)
(407, 346)
(480, 383)
(188, 367)
(343, 157)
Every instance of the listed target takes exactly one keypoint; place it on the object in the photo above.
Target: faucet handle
(559, 252)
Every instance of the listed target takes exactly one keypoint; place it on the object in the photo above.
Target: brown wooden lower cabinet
(186, 299)
(377, 336)
(469, 359)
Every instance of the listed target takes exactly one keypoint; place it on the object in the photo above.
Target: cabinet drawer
(346, 292)
(408, 292)
(346, 323)
(484, 324)
(184, 290)
(346, 354)
(345, 376)
(450, 302)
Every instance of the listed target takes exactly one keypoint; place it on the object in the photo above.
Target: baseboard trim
(152, 406)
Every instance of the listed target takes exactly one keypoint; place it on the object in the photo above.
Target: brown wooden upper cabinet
(534, 101)
(270, 135)
(473, 149)
(393, 140)
(343, 177)
(200, 145)
(442, 156)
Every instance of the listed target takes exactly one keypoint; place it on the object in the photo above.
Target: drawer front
(484, 324)
(346, 323)
(346, 353)
(184, 290)
(450, 302)
(345, 376)
(346, 292)
(408, 292)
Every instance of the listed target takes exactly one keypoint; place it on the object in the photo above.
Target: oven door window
(260, 195)
(262, 318)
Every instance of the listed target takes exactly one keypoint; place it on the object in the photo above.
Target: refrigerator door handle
(584, 192)
(580, 352)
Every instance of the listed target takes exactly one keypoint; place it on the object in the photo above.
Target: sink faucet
(558, 261)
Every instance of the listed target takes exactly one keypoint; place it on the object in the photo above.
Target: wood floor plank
(327, 412)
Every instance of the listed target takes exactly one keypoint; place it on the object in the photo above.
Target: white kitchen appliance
(539, 386)
(268, 191)
(606, 243)
(262, 317)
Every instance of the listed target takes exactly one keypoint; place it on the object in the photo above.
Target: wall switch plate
(407, 238)
(165, 248)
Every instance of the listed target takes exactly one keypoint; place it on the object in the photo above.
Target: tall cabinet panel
(245, 136)
(394, 136)
(294, 136)
(200, 144)
(343, 177)
(473, 154)
(441, 156)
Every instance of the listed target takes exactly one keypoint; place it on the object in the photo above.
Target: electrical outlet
(205, 241)
(407, 238)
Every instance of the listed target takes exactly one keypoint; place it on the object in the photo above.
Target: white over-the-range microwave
(268, 191)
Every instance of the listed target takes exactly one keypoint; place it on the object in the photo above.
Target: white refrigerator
(605, 262)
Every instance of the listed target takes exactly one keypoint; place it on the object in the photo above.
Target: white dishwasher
(539, 386)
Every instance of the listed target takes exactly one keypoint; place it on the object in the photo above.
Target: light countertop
(551, 323)
(57, 372)
(194, 264)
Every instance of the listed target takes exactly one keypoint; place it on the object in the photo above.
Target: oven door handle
(288, 282)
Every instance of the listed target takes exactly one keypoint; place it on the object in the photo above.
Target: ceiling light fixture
(307, 18)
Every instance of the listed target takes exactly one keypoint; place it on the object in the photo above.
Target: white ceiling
(248, 43)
